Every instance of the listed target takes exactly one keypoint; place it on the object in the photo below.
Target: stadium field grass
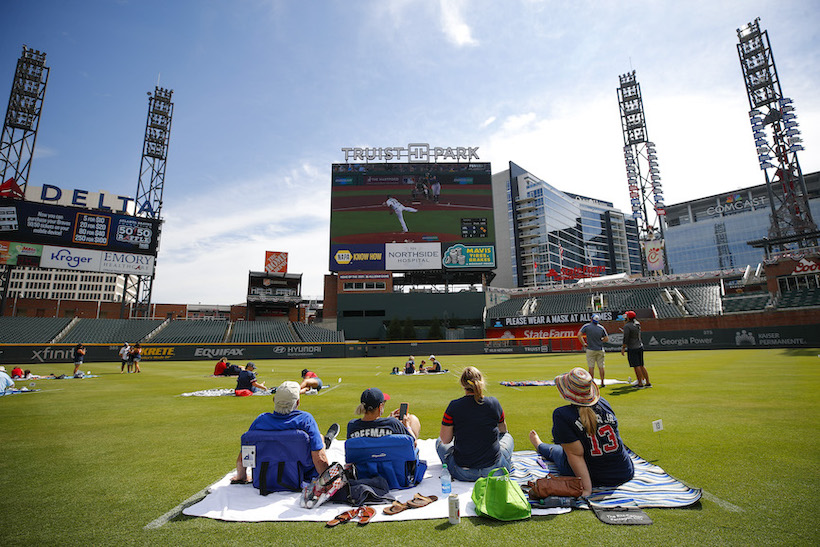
(92, 462)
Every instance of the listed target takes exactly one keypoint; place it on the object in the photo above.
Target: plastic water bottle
(446, 483)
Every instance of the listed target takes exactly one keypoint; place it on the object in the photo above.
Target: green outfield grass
(429, 221)
(92, 462)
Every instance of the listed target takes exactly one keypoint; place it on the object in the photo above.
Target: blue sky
(267, 93)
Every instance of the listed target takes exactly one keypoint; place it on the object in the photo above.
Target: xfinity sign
(414, 153)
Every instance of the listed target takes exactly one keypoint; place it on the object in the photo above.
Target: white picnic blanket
(242, 502)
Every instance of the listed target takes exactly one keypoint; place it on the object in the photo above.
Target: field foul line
(329, 389)
(173, 513)
(725, 504)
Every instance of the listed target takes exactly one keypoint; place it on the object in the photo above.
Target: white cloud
(489, 121)
(211, 241)
(453, 25)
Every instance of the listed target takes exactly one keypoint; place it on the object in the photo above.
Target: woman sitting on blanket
(371, 424)
(586, 435)
(473, 439)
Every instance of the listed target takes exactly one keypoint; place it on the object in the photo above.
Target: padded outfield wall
(786, 336)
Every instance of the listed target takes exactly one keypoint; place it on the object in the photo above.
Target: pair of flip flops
(363, 513)
(417, 501)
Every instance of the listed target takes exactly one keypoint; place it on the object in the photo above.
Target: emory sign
(413, 153)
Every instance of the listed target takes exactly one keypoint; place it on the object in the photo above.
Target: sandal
(395, 507)
(366, 514)
(344, 517)
(420, 501)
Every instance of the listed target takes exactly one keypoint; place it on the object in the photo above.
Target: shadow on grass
(492, 523)
(801, 352)
(618, 391)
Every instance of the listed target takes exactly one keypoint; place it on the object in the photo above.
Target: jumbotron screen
(411, 216)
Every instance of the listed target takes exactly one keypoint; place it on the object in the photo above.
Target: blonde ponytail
(473, 382)
(589, 419)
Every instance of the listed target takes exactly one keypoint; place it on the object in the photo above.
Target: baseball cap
(250, 365)
(578, 387)
(285, 398)
(372, 397)
(596, 318)
(2, 368)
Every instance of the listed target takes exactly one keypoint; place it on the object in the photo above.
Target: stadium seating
(800, 298)
(310, 333)
(31, 330)
(273, 332)
(115, 331)
(746, 303)
(191, 332)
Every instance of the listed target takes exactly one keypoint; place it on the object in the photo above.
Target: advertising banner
(412, 256)
(654, 255)
(20, 254)
(55, 225)
(469, 256)
(126, 263)
(276, 262)
(65, 258)
(356, 257)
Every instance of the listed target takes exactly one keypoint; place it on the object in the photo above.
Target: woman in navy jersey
(585, 433)
(473, 439)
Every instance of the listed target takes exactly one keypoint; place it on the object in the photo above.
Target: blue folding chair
(283, 460)
(394, 457)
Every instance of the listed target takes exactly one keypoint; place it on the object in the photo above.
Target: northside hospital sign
(413, 153)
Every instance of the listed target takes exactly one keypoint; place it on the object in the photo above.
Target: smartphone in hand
(402, 411)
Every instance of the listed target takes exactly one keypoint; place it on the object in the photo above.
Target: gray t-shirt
(595, 334)
(632, 335)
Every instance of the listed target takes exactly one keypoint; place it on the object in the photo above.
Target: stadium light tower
(28, 90)
(642, 175)
(777, 140)
(150, 185)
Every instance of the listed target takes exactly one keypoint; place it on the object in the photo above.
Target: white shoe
(312, 391)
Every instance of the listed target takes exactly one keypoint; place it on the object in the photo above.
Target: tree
(435, 330)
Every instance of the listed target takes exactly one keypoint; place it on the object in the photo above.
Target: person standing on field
(594, 344)
(633, 346)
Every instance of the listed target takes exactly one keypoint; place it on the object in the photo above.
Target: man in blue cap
(594, 344)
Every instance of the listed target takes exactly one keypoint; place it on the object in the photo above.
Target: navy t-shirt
(605, 454)
(245, 379)
(475, 427)
(380, 427)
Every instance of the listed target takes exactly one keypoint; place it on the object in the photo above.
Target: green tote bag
(497, 496)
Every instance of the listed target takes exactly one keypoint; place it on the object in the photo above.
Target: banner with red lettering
(654, 255)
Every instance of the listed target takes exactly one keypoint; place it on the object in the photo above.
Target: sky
(268, 92)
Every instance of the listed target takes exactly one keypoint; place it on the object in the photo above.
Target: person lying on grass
(371, 424)
(586, 435)
(473, 439)
(286, 416)
(310, 380)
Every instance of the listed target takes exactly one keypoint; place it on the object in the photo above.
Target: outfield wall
(788, 336)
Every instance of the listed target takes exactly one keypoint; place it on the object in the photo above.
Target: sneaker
(312, 391)
(332, 431)
(647, 385)
(640, 386)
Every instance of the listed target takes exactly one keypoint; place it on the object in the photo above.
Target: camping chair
(394, 457)
(283, 460)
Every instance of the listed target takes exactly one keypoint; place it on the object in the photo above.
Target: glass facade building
(711, 233)
(557, 237)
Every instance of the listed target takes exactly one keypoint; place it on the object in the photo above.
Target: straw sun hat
(578, 387)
